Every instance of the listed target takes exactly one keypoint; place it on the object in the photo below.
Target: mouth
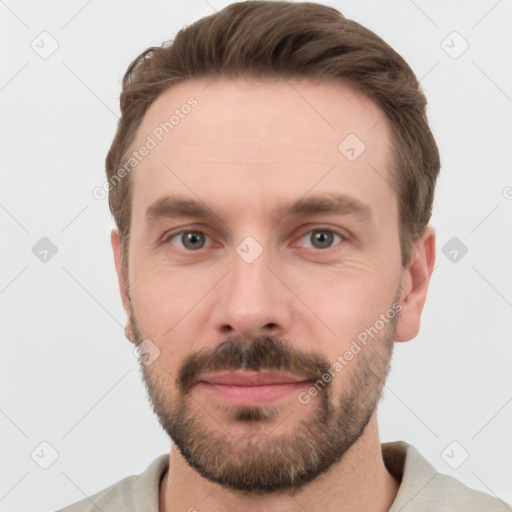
(250, 388)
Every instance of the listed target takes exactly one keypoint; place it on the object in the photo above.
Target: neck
(359, 481)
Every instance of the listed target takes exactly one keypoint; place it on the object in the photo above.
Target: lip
(243, 378)
(250, 388)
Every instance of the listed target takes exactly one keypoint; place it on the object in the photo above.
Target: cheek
(170, 311)
(166, 295)
(348, 298)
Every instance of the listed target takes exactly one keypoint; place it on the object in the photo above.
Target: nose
(252, 300)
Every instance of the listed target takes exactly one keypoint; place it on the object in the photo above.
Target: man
(272, 179)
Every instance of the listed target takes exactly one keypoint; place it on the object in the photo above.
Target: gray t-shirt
(422, 488)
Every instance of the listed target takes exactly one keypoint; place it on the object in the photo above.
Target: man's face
(258, 287)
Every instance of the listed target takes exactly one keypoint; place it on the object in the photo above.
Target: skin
(247, 146)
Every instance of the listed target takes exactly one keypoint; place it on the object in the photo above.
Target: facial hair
(258, 461)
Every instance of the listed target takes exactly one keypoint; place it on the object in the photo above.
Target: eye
(189, 240)
(321, 238)
(194, 240)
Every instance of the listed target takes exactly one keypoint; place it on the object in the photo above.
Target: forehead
(248, 141)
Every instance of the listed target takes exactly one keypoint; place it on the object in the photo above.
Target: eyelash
(343, 238)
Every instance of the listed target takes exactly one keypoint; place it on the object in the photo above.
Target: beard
(253, 459)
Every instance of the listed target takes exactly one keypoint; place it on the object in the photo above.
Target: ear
(122, 278)
(415, 281)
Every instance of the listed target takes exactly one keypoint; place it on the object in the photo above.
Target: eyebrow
(330, 203)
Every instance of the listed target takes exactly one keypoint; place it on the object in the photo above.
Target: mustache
(263, 353)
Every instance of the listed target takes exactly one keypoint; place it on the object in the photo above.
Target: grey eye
(190, 240)
(321, 238)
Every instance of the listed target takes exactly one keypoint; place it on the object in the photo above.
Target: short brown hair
(273, 39)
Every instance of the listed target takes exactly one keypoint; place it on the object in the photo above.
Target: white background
(68, 375)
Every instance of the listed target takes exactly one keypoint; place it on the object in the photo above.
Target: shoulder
(131, 494)
(450, 494)
(423, 488)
